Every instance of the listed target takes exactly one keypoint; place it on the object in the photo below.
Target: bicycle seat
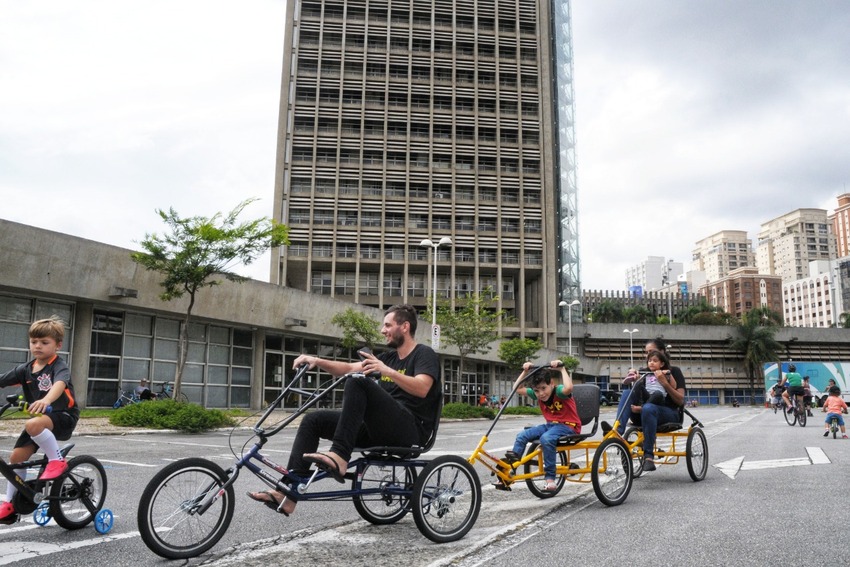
(413, 452)
(586, 397)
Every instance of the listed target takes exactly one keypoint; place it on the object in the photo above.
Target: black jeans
(369, 417)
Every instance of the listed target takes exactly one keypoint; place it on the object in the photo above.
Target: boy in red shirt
(560, 412)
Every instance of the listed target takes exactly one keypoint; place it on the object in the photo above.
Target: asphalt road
(736, 516)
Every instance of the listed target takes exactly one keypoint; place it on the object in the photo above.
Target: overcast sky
(692, 117)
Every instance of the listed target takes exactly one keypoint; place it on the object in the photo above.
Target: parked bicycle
(125, 399)
(166, 393)
(74, 500)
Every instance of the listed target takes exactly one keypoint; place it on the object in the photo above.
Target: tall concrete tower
(402, 121)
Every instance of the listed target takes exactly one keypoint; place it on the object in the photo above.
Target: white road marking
(730, 468)
(128, 463)
(21, 550)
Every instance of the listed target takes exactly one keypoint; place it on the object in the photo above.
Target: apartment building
(745, 289)
(719, 254)
(654, 274)
(840, 222)
(402, 121)
(787, 244)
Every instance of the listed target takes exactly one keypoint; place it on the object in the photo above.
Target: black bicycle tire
(362, 501)
(531, 483)
(616, 466)
(697, 473)
(436, 495)
(74, 483)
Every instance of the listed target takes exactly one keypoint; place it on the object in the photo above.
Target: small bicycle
(125, 399)
(187, 507)
(833, 425)
(74, 500)
(798, 413)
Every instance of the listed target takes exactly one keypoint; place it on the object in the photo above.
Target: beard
(395, 340)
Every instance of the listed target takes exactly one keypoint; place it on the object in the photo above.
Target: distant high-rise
(407, 120)
(840, 221)
(788, 243)
(654, 274)
(721, 253)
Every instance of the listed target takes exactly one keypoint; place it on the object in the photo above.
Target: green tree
(199, 252)
(844, 320)
(570, 363)
(357, 328)
(607, 312)
(473, 325)
(756, 341)
(515, 352)
(638, 314)
(705, 314)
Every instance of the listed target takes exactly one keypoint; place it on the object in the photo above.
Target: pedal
(501, 486)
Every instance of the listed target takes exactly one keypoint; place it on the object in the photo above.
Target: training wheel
(103, 521)
(41, 515)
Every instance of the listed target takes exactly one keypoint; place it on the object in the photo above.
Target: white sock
(47, 442)
(11, 489)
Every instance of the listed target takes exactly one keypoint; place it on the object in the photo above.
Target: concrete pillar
(80, 350)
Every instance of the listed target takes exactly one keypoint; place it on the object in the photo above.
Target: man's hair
(52, 327)
(402, 313)
(792, 368)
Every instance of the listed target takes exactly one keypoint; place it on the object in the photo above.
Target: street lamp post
(435, 336)
(631, 350)
(569, 307)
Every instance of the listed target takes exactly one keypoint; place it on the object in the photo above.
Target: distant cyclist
(794, 386)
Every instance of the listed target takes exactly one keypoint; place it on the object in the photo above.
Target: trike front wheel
(612, 473)
(446, 499)
(537, 484)
(382, 493)
(169, 517)
(78, 495)
(696, 454)
(633, 439)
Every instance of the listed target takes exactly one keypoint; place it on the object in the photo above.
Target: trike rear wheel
(535, 485)
(696, 454)
(168, 517)
(612, 472)
(383, 492)
(446, 499)
(78, 495)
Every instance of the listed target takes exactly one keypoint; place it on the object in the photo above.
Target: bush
(523, 410)
(459, 410)
(169, 414)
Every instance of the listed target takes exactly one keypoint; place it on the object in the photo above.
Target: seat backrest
(586, 397)
(408, 452)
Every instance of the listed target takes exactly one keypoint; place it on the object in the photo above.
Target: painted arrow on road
(731, 467)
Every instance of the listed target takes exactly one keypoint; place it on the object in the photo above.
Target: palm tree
(844, 320)
(758, 345)
(638, 314)
(608, 312)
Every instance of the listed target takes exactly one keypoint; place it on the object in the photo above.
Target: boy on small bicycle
(834, 406)
(46, 383)
(560, 412)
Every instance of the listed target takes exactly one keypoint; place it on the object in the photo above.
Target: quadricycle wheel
(446, 499)
(696, 454)
(394, 483)
(537, 483)
(631, 436)
(612, 472)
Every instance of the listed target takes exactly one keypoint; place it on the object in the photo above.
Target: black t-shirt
(36, 384)
(423, 360)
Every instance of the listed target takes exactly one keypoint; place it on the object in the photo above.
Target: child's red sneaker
(54, 470)
(6, 510)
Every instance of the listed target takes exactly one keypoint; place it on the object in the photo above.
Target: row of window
(355, 127)
(413, 42)
(485, 103)
(350, 283)
(413, 221)
(393, 252)
(400, 15)
(381, 159)
(432, 191)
